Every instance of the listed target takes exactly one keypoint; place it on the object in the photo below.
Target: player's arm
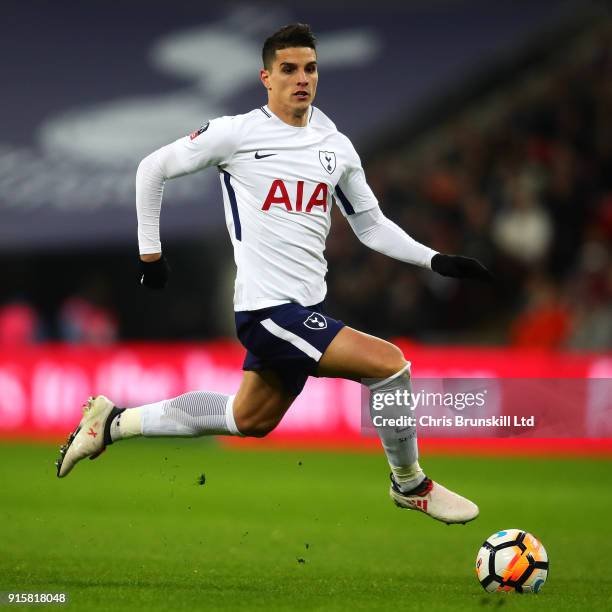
(380, 234)
(360, 206)
(210, 145)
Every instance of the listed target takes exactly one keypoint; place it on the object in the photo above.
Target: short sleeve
(352, 193)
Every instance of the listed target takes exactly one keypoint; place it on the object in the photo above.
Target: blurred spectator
(523, 229)
(546, 321)
(85, 317)
(19, 324)
(591, 292)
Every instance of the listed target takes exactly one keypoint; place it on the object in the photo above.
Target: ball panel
(482, 564)
(516, 566)
(503, 536)
(510, 563)
(491, 586)
(535, 547)
(535, 582)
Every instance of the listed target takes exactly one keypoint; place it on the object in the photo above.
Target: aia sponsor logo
(278, 195)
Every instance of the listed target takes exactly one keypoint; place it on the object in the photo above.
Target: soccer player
(281, 166)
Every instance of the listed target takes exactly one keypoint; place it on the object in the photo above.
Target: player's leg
(355, 355)
(260, 403)
(255, 410)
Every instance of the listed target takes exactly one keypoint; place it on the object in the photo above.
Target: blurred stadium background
(485, 129)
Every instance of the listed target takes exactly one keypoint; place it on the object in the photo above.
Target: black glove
(457, 266)
(154, 274)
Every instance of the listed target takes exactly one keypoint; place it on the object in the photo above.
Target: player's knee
(255, 427)
(392, 362)
(257, 430)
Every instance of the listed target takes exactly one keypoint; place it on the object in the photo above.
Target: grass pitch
(136, 529)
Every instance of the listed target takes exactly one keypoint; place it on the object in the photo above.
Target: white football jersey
(278, 183)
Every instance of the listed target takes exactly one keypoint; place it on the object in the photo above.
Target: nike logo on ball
(258, 156)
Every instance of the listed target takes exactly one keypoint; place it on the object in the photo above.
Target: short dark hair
(292, 35)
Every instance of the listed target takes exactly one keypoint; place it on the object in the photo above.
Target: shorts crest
(316, 321)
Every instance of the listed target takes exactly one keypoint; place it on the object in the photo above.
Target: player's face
(292, 80)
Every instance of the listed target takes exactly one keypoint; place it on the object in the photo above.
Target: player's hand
(154, 274)
(457, 266)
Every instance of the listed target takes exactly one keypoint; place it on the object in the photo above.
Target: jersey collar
(266, 111)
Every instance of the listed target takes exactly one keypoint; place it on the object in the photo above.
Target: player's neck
(292, 117)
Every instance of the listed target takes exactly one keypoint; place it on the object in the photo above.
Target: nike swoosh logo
(258, 156)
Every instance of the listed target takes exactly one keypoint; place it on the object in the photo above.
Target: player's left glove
(154, 274)
(457, 266)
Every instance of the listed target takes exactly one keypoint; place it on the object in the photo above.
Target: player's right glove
(457, 266)
(154, 274)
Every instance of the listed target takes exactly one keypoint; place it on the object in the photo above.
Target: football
(512, 560)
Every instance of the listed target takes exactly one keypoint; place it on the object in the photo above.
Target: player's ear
(264, 77)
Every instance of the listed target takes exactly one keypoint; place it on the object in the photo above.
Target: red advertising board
(43, 387)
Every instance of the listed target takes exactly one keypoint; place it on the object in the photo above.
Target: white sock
(409, 476)
(399, 443)
(128, 424)
(197, 413)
